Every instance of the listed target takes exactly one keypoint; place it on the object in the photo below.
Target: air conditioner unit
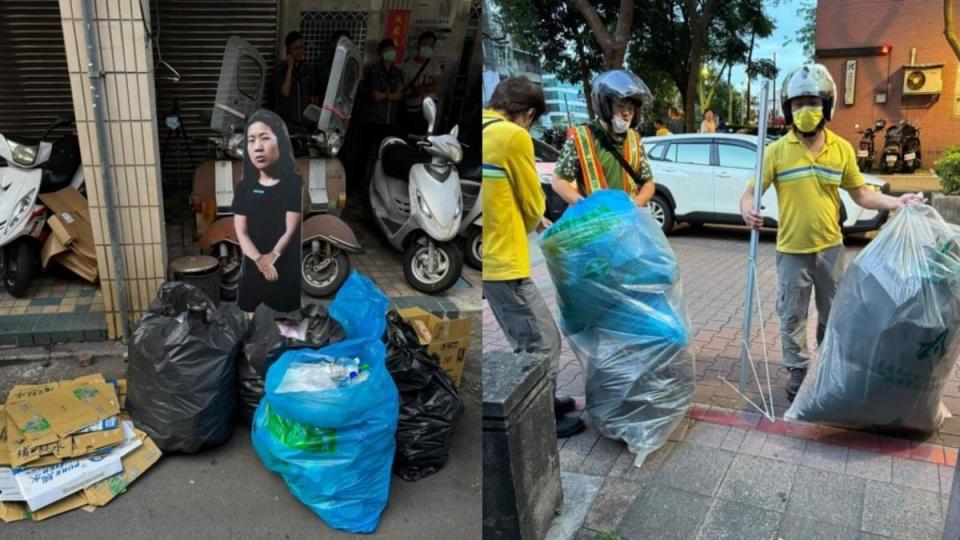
(922, 79)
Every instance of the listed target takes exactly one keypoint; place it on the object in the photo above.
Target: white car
(700, 178)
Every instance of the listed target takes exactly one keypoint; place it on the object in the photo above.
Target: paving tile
(707, 434)
(783, 448)
(760, 482)
(916, 474)
(737, 521)
(624, 467)
(798, 528)
(946, 479)
(829, 497)
(698, 469)
(612, 502)
(826, 457)
(602, 457)
(753, 443)
(734, 439)
(869, 466)
(664, 512)
(579, 491)
(575, 449)
(902, 512)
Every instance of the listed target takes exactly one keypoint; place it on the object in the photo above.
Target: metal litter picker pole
(745, 357)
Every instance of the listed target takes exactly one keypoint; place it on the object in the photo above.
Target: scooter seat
(398, 159)
(64, 160)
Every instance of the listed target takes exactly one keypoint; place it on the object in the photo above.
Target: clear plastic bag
(894, 330)
(619, 292)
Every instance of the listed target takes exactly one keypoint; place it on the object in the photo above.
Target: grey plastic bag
(894, 330)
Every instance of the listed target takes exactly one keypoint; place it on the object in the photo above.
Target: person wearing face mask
(591, 157)
(807, 167)
(513, 206)
(422, 73)
(381, 90)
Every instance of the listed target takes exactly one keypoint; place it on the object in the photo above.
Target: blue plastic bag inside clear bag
(619, 293)
(328, 419)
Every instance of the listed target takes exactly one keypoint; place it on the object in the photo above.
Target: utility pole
(567, 108)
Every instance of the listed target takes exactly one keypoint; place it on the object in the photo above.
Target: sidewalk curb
(84, 353)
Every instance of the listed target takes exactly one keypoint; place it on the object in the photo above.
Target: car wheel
(662, 212)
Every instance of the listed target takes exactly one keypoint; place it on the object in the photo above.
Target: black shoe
(568, 426)
(796, 379)
(563, 404)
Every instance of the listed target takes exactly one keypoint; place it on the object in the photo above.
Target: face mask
(806, 119)
(620, 125)
(390, 55)
(426, 52)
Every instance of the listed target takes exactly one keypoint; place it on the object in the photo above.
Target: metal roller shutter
(34, 83)
(192, 37)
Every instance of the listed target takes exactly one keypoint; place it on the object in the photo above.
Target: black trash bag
(181, 388)
(264, 343)
(430, 405)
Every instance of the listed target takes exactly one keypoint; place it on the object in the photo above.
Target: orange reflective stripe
(589, 164)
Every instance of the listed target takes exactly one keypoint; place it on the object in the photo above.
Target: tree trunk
(585, 80)
(729, 97)
(948, 30)
(697, 23)
(613, 47)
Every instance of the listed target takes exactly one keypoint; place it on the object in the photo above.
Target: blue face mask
(390, 55)
(426, 52)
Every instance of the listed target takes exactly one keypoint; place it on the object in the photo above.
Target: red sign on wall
(398, 24)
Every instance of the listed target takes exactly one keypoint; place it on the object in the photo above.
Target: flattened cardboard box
(48, 423)
(84, 267)
(448, 339)
(73, 220)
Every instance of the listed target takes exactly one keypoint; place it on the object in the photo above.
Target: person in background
(661, 128)
(708, 125)
(675, 121)
(381, 91)
(295, 82)
(513, 206)
(422, 75)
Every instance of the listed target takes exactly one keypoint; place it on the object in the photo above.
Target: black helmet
(809, 80)
(619, 84)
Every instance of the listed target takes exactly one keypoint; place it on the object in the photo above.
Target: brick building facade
(858, 30)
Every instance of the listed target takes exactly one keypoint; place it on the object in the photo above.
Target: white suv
(701, 176)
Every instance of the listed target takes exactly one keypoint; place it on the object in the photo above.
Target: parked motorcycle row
(900, 151)
(424, 200)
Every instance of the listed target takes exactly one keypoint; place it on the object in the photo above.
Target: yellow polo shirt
(808, 194)
(513, 201)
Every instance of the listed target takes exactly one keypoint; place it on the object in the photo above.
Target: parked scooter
(418, 205)
(33, 167)
(901, 149)
(325, 238)
(471, 226)
(867, 151)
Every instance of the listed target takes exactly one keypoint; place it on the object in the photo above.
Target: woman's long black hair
(283, 168)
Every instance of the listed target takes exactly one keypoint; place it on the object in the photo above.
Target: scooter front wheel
(18, 268)
(431, 267)
(321, 273)
(473, 255)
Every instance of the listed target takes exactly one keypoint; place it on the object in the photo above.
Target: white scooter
(419, 206)
(33, 167)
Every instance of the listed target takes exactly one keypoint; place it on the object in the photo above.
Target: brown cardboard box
(71, 243)
(73, 218)
(13, 511)
(448, 339)
(47, 423)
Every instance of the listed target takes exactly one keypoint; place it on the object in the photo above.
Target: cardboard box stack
(447, 339)
(67, 445)
(71, 242)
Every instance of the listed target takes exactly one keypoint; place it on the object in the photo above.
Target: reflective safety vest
(593, 176)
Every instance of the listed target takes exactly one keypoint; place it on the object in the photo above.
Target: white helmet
(809, 80)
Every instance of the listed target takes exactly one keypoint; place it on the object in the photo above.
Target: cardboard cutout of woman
(267, 206)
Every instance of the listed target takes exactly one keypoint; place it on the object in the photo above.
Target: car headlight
(423, 205)
(23, 155)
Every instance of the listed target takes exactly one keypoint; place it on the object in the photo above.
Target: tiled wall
(127, 60)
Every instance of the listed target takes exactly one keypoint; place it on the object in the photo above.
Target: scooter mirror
(429, 113)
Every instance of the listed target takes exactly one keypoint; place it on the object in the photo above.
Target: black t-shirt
(266, 211)
(305, 83)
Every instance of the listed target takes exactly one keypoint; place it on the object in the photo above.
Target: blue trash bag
(334, 446)
(619, 291)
